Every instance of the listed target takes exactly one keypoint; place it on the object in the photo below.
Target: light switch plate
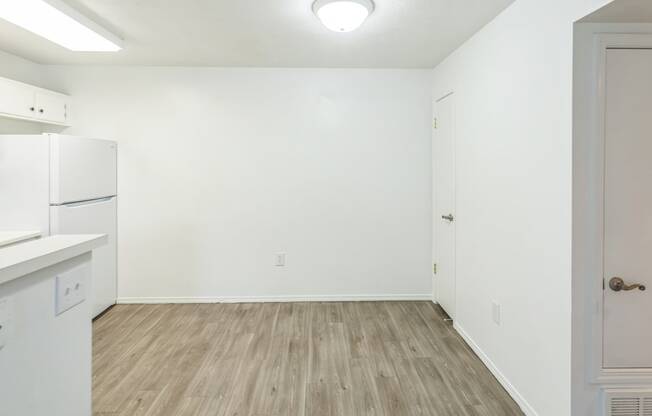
(6, 320)
(495, 312)
(71, 289)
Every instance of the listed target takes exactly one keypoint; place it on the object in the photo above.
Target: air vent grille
(628, 402)
(647, 406)
(625, 406)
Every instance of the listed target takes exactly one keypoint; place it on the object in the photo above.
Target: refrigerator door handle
(86, 202)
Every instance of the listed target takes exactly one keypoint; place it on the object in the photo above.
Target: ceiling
(265, 33)
(622, 11)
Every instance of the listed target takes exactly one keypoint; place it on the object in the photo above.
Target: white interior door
(628, 210)
(444, 221)
(95, 217)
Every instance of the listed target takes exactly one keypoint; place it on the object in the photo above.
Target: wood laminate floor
(288, 359)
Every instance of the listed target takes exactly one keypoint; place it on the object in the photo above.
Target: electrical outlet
(70, 290)
(5, 321)
(280, 260)
(495, 312)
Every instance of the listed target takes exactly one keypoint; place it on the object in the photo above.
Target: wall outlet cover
(70, 289)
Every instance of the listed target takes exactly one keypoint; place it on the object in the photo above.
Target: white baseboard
(274, 299)
(518, 398)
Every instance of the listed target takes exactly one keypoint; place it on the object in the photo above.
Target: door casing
(597, 373)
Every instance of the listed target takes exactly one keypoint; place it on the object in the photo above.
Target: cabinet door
(16, 99)
(51, 107)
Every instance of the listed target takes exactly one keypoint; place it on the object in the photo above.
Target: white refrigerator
(64, 185)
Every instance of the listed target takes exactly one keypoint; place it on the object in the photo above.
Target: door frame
(435, 251)
(595, 267)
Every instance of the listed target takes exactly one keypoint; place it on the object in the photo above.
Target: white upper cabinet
(24, 101)
(16, 99)
(52, 107)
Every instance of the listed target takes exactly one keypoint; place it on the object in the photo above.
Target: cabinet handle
(41, 110)
(31, 109)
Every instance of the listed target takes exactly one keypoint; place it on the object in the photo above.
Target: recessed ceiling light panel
(59, 23)
(343, 15)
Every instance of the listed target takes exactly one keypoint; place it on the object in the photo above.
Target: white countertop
(21, 259)
(11, 237)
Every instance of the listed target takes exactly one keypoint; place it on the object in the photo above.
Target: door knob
(617, 284)
(448, 217)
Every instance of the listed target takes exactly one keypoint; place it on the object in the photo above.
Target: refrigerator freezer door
(24, 183)
(81, 169)
(94, 217)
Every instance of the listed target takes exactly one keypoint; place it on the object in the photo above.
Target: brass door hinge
(434, 123)
(434, 268)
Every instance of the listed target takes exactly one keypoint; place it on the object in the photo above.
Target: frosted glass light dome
(343, 15)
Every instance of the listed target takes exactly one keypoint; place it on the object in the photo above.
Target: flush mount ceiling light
(59, 23)
(343, 15)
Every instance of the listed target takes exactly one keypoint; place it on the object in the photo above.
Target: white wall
(14, 67)
(513, 95)
(219, 169)
(586, 400)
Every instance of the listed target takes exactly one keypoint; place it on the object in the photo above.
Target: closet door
(628, 210)
(444, 192)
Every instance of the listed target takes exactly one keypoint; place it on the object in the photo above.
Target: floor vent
(628, 402)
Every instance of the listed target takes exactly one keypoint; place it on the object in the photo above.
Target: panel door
(628, 210)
